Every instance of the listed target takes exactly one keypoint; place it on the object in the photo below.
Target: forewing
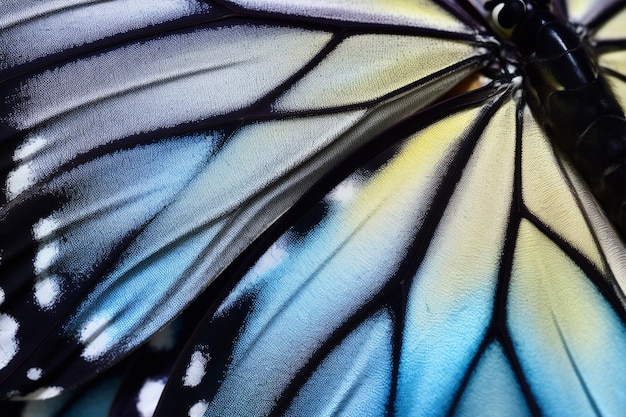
(141, 158)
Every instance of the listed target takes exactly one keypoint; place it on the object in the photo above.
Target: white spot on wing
(44, 228)
(19, 180)
(46, 256)
(8, 342)
(198, 409)
(95, 338)
(274, 256)
(149, 397)
(47, 291)
(28, 148)
(34, 373)
(196, 369)
(43, 393)
(1, 296)
(345, 191)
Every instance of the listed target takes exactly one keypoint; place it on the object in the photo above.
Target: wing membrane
(449, 294)
(130, 189)
(462, 254)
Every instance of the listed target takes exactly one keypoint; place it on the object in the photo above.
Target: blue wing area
(492, 388)
(328, 246)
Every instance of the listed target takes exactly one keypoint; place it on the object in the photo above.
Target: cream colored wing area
(405, 104)
(199, 75)
(450, 302)
(335, 269)
(583, 11)
(366, 67)
(418, 13)
(613, 29)
(564, 330)
(616, 61)
(549, 196)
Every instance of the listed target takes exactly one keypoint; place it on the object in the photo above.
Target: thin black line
(579, 375)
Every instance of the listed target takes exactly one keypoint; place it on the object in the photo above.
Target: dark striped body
(576, 106)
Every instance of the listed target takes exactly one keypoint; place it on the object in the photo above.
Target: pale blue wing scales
(306, 288)
(196, 238)
(354, 378)
(450, 303)
(115, 206)
(493, 389)
(564, 330)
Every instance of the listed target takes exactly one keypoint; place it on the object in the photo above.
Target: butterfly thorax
(573, 102)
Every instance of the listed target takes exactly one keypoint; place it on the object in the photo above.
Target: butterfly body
(575, 104)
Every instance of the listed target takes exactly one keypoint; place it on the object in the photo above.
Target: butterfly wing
(474, 275)
(339, 286)
(407, 254)
(131, 181)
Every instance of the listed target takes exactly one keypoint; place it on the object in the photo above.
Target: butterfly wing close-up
(263, 208)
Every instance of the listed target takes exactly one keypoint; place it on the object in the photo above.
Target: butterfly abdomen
(576, 107)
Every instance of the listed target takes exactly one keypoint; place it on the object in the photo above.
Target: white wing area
(33, 29)
(96, 101)
(582, 11)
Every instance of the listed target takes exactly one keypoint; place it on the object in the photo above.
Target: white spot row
(8, 341)
(149, 397)
(198, 409)
(196, 369)
(95, 338)
(48, 291)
